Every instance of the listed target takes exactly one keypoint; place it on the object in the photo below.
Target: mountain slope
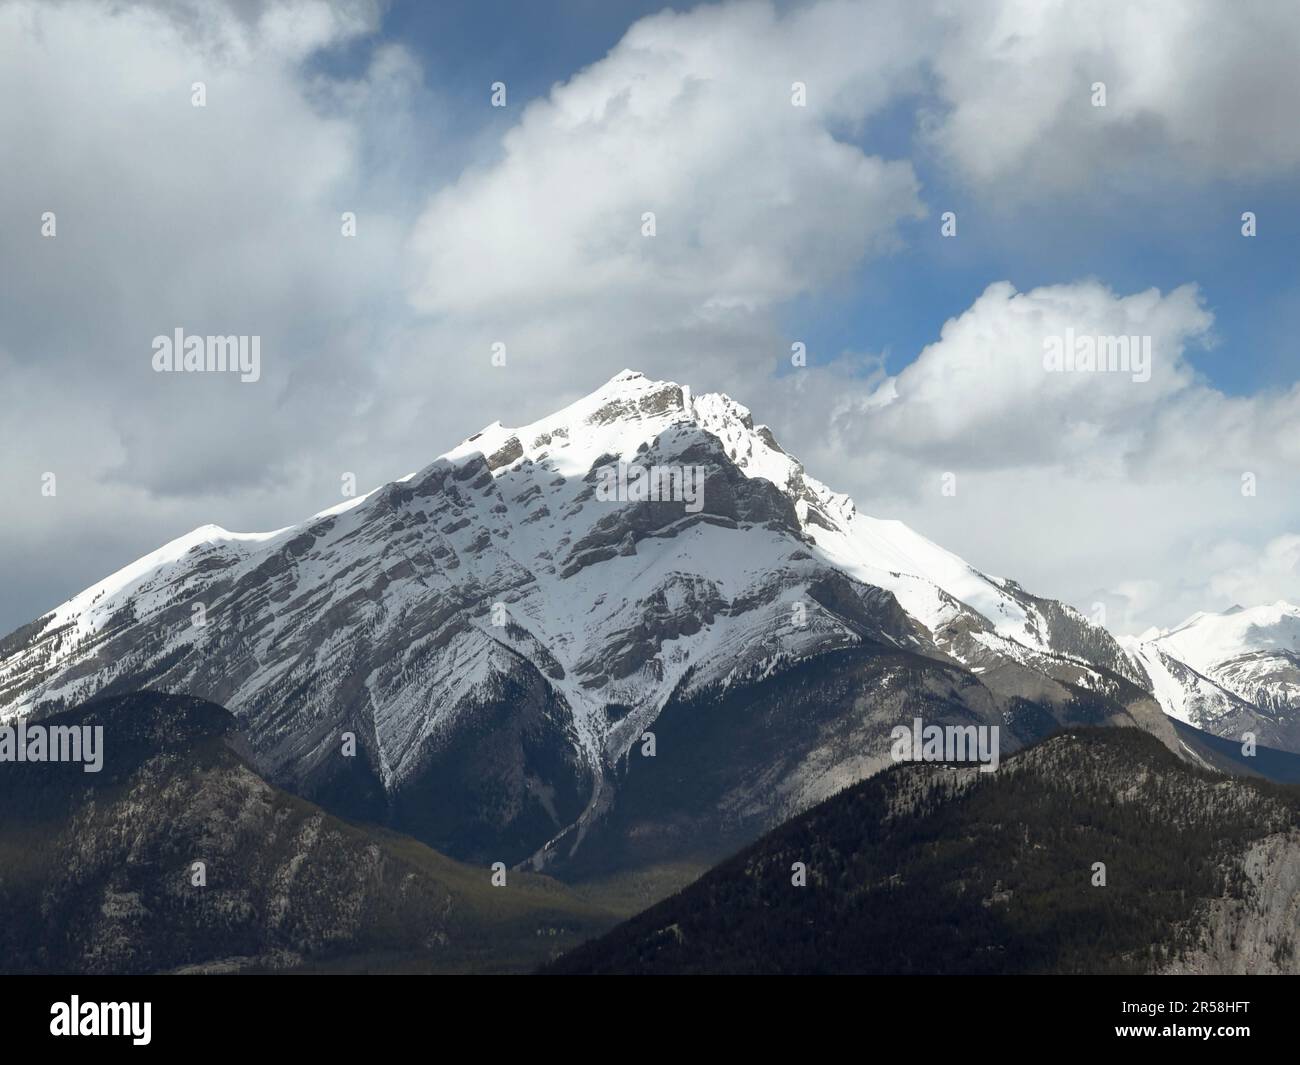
(497, 634)
(97, 873)
(929, 868)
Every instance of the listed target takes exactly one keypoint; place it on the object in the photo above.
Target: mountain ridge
(177, 857)
(1093, 851)
(499, 638)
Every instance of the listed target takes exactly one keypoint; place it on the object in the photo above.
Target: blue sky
(532, 45)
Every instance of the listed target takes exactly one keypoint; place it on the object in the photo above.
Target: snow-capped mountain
(1229, 673)
(498, 634)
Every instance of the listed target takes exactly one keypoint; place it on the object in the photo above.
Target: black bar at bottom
(339, 1013)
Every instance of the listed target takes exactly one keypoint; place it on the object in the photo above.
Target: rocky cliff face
(1256, 931)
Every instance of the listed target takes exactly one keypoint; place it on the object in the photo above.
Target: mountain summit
(498, 633)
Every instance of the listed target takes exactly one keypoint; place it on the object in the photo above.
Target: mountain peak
(513, 515)
(515, 601)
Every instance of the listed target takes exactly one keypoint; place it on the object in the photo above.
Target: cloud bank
(226, 219)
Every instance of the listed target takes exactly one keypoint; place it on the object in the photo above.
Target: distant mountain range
(538, 661)
(1229, 673)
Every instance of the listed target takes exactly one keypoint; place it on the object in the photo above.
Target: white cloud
(983, 390)
(1261, 576)
(375, 350)
(1087, 486)
(1189, 84)
(219, 219)
(689, 117)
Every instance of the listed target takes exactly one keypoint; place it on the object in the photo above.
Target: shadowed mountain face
(1230, 756)
(498, 632)
(930, 868)
(731, 762)
(98, 874)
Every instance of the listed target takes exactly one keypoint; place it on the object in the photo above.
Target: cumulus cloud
(988, 390)
(1188, 84)
(690, 117)
(756, 201)
(1155, 498)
